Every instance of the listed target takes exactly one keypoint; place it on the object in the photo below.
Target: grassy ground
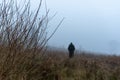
(55, 65)
(87, 66)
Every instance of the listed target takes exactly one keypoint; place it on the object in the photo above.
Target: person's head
(71, 43)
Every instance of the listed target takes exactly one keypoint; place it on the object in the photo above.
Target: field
(24, 54)
(56, 65)
(84, 66)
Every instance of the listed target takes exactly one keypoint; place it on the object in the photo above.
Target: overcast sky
(92, 25)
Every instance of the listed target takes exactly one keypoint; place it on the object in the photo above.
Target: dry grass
(56, 65)
(85, 66)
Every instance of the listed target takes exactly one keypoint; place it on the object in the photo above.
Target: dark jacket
(71, 48)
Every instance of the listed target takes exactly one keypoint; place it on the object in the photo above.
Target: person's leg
(70, 54)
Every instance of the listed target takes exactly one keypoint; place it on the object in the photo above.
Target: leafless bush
(23, 37)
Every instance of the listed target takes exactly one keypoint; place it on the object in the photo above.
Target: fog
(92, 25)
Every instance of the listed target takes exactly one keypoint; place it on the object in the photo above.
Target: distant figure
(71, 49)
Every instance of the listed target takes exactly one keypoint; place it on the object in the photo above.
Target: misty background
(92, 25)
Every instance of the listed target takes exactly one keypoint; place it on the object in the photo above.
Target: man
(71, 49)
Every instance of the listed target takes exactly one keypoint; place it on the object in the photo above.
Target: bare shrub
(23, 38)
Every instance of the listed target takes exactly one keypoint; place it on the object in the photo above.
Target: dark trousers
(71, 54)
